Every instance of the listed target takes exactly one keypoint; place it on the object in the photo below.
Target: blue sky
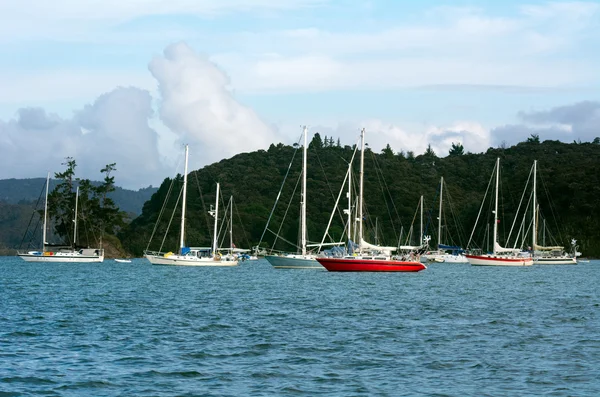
(236, 75)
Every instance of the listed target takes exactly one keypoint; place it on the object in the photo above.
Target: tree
(387, 151)
(410, 155)
(339, 144)
(61, 202)
(457, 149)
(316, 142)
(429, 151)
(534, 138)
(596, 141)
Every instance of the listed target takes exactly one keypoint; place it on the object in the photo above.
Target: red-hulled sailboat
(369, 257)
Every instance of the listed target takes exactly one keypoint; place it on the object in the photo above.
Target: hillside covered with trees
(568, 195)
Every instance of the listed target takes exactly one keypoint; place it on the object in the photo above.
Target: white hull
(62, 257)
(447, 258)
(498, 260)
(186, 260)
(555, 261)
(294, 262)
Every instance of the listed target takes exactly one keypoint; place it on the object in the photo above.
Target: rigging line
(204, 211)
(552, 206)
(162, 210)
(281, 238)
(279, 194)
(326, 179)
(457, 225)
(519, 207)
(380, 178)
(277, 236)
(481, 207)
(237, 211)
(170, 220)
(32, 214)
(409, 235)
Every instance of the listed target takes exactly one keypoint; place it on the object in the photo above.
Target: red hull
(369, 265)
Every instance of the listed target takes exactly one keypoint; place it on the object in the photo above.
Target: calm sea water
(116, 329)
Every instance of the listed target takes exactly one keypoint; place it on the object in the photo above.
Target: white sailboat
(548, 255)
(193, 256)
(302, 259)
(83, 255)
(442, 255)
(500, 256)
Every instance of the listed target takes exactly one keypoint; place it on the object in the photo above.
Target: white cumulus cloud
(199, 107)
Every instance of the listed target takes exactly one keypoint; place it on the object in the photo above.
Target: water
(117, 329)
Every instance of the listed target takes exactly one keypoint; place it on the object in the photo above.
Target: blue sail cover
(185, 250)
(450, 248)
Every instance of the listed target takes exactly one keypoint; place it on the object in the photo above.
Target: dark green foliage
(97, 213)
(534, 138)
(457, 149)
(393, 186)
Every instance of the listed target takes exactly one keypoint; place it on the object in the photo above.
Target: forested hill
(14, 191)
(568, 195)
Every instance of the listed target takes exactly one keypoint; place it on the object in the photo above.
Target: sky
(130, 81)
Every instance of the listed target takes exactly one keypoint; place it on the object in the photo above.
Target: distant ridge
(15, 191)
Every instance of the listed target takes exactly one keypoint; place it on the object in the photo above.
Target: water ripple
(454, 330)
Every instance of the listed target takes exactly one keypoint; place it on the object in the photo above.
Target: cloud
(378, 133)
(112, 129)
(199, 107)
(579, 121)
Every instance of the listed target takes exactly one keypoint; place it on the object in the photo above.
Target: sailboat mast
(185, 172)
(231, 224)
(496, 206)
(75, 219)
(303, 204)
(45, 215)
(421, 236)
(440, 212)
(534, 226)
(216, 221)
(360, 190)
(349, 200)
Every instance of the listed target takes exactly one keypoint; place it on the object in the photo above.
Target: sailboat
(442, 255)
(84, 255)
(302, 259)
(369, 257)
(193, 256)
(500, 256)
(548, 255)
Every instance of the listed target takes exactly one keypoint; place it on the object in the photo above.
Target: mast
(440, 213)
(360, 194)
(185, 172)
(45, 215)
(75, 219)
(421, 236)
(376, 219)
(303, 201)
(496, 206)
(534, 226)
(216, 221)
(231, 225)
(349, 199)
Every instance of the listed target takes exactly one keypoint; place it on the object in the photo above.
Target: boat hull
(294, 262)
(369, 265)
(447, 258)
(555, 261)
(62, 258)
(496, 260)
(180, 260)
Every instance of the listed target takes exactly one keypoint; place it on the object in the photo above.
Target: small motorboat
(123, 260)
